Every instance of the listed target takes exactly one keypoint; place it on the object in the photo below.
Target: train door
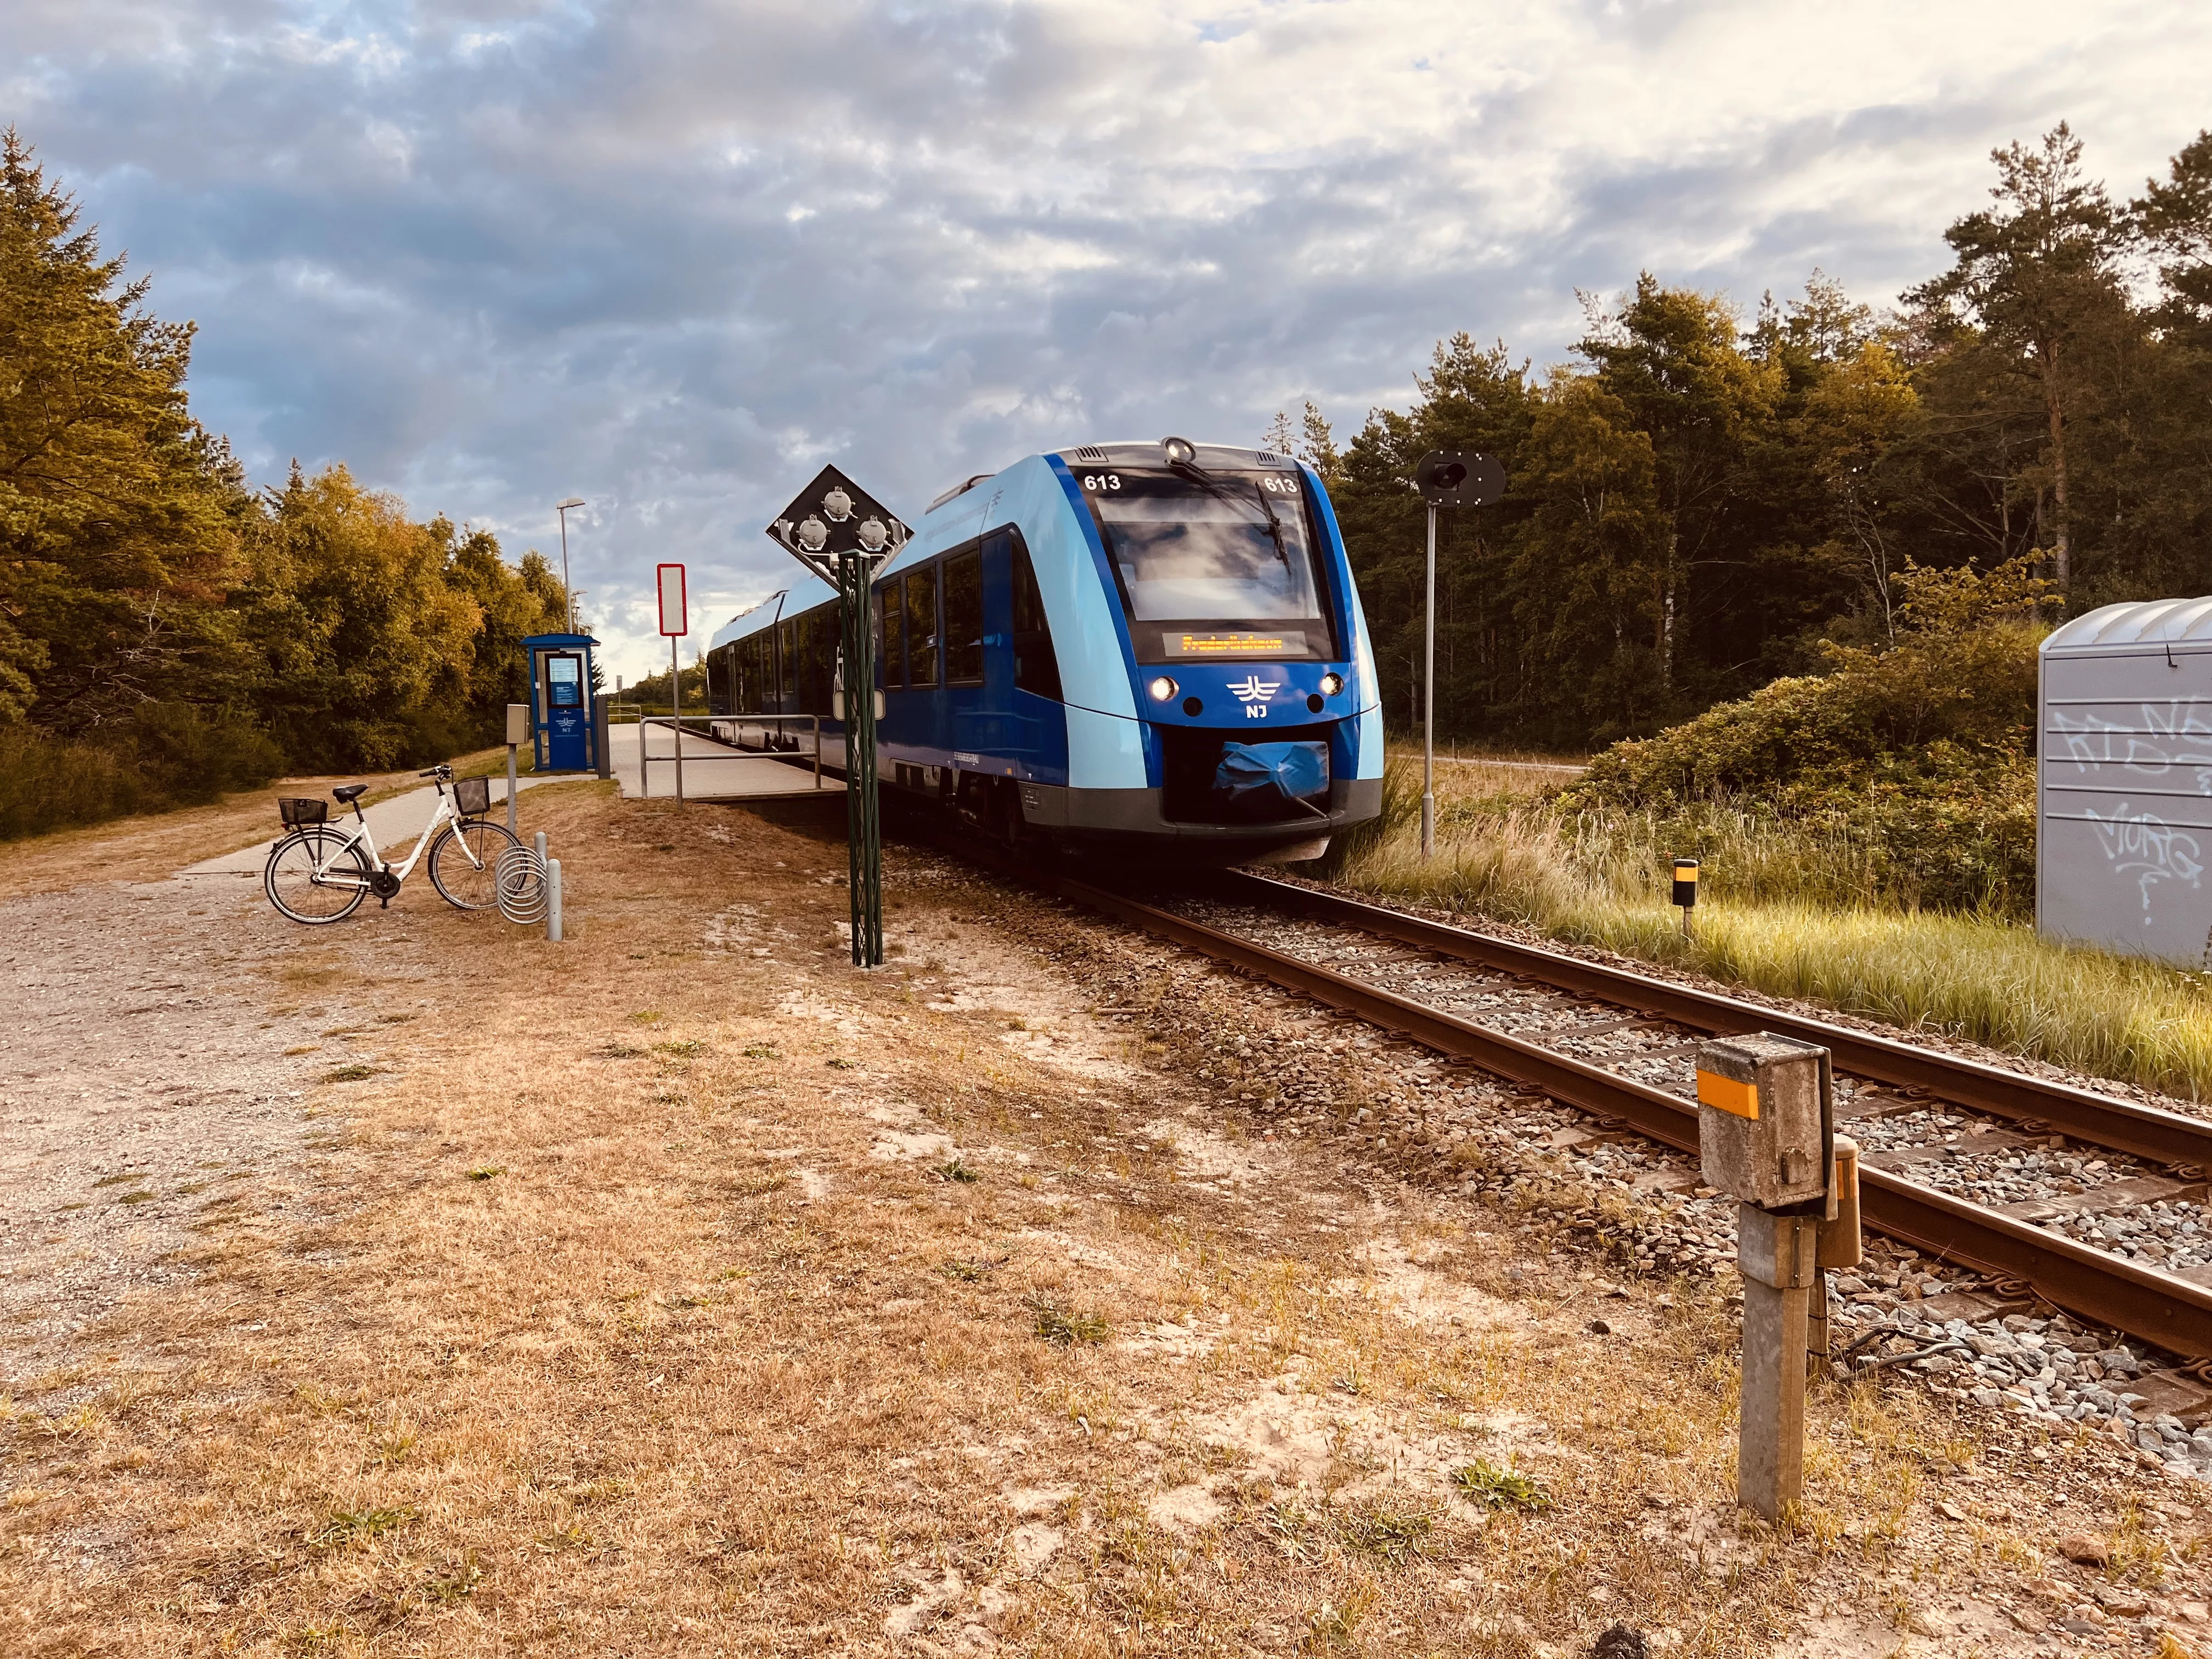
(971, 732)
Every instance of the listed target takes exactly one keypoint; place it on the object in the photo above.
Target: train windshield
(1220, 565)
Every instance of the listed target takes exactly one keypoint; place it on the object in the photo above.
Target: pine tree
(2039, 276)
(117, 513)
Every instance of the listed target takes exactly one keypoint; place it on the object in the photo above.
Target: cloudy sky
(672, 255)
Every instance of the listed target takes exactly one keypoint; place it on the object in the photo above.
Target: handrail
(675, 723)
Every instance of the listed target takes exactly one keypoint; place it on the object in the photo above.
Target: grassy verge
(1784, 911)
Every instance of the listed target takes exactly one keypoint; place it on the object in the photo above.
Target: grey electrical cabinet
(2123, 782)
(1765, 1119)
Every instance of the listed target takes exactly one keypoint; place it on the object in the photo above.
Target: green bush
(168, 755)
(1919, 755)
(47, 783)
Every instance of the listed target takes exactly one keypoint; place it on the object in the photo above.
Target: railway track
(2021, 1179)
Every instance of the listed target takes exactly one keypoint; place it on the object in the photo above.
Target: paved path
(395, 822)
(712, 771)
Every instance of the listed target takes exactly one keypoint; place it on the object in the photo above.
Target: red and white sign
(673, 617)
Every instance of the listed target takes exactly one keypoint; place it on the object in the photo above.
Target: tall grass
(1788, 908)
(170, 755)
(46, 783)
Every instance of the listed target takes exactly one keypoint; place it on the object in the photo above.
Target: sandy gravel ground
(679, 1291)
(139, 1083)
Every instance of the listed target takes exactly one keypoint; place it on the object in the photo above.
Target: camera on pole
(1445, 478)
(1454, 478)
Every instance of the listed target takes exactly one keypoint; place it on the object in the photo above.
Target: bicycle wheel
(462, 860)
(316, 877)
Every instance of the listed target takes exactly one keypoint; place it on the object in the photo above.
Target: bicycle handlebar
(436, 772)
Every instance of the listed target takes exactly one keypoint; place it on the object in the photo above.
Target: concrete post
(1777, 1256)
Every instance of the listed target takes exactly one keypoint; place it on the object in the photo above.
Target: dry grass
(624, 1322)
(153, 846)
(1782, 912)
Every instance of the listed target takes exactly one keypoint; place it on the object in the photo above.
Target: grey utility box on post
(2123, 781)
(1766, 1137)
(1765, 1125)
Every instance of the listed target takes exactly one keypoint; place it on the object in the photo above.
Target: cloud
(671, 255)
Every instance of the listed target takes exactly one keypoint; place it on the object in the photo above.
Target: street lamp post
(840, 534)
(568, 594)
(1445, 478)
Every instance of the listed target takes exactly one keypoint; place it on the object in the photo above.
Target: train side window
(818, 663)
(893, 654)
(1036, 666)
(964, 619)
(921, 626)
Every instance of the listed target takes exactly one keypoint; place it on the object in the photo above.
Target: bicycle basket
(472, 796)
(298, 814)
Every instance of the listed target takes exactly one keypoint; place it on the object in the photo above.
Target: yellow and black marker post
(1686, 890)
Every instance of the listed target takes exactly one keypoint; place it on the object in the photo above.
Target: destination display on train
(1291, 643)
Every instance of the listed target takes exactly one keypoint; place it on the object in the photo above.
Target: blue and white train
(1154, 647)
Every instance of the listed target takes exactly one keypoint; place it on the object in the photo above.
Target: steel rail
(2171, 1312)
(2168, 1138)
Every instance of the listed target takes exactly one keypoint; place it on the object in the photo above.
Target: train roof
(1134, 452)
(802, 595)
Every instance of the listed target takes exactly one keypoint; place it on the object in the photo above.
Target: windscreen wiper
(1274, 525)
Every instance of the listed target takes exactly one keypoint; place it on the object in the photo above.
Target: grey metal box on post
(518, 733)
(1766, 1125)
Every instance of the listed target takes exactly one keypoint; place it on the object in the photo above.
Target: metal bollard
(1684, 893)
(553, 901)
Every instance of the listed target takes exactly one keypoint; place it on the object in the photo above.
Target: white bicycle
(320, 873)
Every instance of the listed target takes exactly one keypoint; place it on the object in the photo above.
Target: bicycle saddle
(346, 792)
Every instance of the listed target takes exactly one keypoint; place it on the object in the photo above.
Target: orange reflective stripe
(1725, 1094)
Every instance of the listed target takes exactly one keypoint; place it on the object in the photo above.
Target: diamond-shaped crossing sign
(832, 519)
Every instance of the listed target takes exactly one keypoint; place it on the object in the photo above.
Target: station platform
(712, 770)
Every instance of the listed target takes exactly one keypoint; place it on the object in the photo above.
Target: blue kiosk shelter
(567, 734)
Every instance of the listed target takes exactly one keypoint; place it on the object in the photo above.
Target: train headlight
(1180, 452)
(1331, 684)
(1163, 689)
